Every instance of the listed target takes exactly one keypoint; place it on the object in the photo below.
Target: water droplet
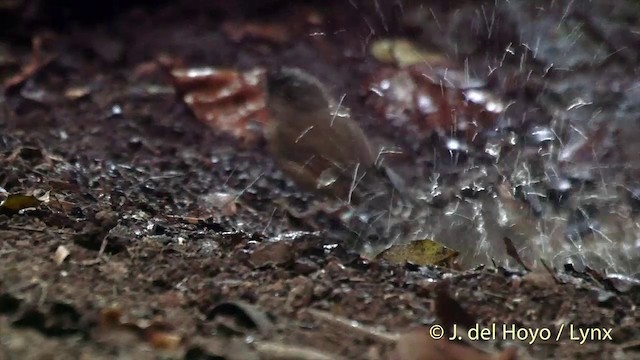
(426, 105)
(116, 110)
(456, 145)
(541, 134)
(194, 72)
(578, 103)
(623, 283)
(327, 178)
(493, 147)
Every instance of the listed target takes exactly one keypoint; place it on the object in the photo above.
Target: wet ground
(133, 251)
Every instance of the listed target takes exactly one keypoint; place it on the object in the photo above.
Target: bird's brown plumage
(313, 141)
(323, 150)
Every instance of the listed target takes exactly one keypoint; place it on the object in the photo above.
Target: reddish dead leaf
(146, 69)
(433, 99)
(163, 340)
(163, 64)
(239, 31)
(419, 345)
(229, 101)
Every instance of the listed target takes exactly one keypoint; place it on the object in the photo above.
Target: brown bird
(322, 149)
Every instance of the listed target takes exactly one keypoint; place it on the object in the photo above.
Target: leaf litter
(133, 181)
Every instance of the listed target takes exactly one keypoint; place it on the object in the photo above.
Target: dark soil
(132, 177)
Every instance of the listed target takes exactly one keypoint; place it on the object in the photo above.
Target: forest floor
(127, 254)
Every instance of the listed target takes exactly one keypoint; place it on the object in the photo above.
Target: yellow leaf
(420, 252)
(17, 202)
(403, 53)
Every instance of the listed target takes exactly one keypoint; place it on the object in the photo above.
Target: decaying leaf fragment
(513, 252)
(424, 92)
(403, 53)
(62, 252)
(113, 328)
(16, 202)
(272, 253)
(226, 203)
(229, 101)
(421, 252)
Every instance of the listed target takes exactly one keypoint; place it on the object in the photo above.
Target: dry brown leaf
(272, 253)
(428, 99)
(421, 252)
(229, 101)
(224, 202)
(513, 252)
(541, 279)
(113, 326)
(163, 339)
(61, 254)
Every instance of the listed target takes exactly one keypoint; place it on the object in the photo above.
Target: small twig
(356, 326)
(103, 245)
(279, 351)
(90, 262)
(630, 344)
(43, 230)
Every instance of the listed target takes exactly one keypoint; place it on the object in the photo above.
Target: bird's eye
(292, 91)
